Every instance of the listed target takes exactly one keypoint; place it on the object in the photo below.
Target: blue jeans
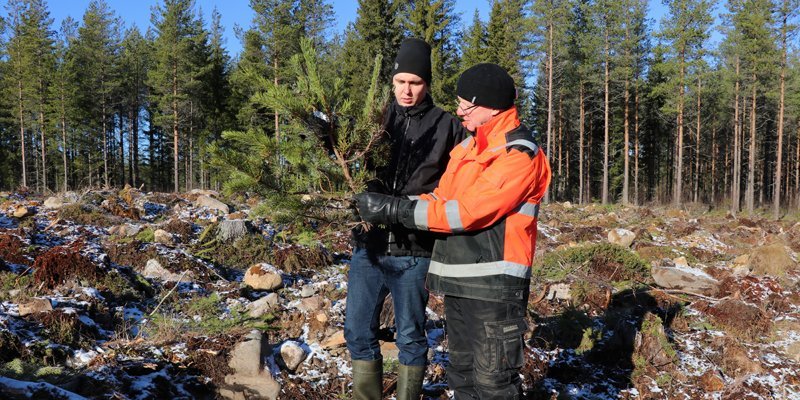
(370, 279)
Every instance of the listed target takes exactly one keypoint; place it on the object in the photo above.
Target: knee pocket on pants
(504, 346)
(460, 358)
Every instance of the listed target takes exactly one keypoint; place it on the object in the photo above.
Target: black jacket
(420, 138)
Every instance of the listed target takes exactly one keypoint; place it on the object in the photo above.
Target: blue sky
(233, 12)
(238, 12)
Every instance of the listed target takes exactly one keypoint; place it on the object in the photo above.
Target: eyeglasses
(467, 110)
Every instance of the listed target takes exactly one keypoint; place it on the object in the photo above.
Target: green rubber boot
(367, 379)
(409, 381)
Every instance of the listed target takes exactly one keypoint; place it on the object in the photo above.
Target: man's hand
(377, 208)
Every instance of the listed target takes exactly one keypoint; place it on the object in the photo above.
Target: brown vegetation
(59, 264)
(12, 249)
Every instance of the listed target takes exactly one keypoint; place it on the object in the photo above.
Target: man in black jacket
(395, 259)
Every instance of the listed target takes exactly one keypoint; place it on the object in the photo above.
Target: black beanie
(487, 85)
(414, 57)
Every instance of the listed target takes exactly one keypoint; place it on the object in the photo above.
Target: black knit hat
(414, 57)
(487, 85)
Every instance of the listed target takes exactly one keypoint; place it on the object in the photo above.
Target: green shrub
(604, 260)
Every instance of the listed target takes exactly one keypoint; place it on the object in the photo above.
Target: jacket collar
(493, 131)
(416, 110)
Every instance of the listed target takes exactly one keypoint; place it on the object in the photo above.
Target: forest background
(629, 110)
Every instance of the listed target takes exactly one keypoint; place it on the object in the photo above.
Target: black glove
(379, 208)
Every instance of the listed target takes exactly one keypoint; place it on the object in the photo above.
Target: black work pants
(486, 347)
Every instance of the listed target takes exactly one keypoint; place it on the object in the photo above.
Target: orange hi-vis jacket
(488, 201)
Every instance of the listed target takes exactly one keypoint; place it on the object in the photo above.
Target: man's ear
(495, 112)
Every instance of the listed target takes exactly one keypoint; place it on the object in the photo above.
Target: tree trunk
(22, 135)
(549, 97)
(797, 167)
(636, 145)
(626, 145)
(176, 187)
(714, 164)
(678, 189)
(122, 150)
(561, 181)
(737, 148)
(751, 158)
(581, 123)
(606, 107)
(776, 193)
(44, 149)
(697, 145)
(64, 141)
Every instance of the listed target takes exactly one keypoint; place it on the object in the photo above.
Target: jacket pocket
(505, 344)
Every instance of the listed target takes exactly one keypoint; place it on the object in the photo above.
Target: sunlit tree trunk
(751, 164)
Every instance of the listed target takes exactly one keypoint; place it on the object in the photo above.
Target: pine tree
(752, 21)
(63, 92)
(474, 43)
(173, 71)
(549, 22)
(134, 64)
(684, 32)
(96, 50)
(326, 138)
(376, 31)
(30, 60)
(786, 10)
(252, 63)
(434, 21)
(507, 37)
(217, 92)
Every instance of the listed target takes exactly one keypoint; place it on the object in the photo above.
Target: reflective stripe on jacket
(488, 200)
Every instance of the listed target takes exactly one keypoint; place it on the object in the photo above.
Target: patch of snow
(80, 358)
(28, 389)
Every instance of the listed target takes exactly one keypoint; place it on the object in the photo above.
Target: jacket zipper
(394, 182)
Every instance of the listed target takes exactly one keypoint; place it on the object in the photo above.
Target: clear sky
(234, 12)
(238, 12)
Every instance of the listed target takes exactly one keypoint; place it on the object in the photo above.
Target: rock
(558, 291)
(310, 304)
(70, 197)
(390, 351)
(307, 291)
(711, 381)
(321, 317)
(34, 306)
(773, 260)
(211, 203)
(205, 192)
(132, 229)
(621, 237)
(163, 237)
(251, 377)
(681, 262)
(237, 215)
(292, 355)
(676, 213)
(567, 205)
(263, 305)
(793, 351)
(232, 229)
(337, 340)
(651, 345)
(263, 276)
(24, 212)
(153, 269)
(306, 198)
(118, 230)
(53, 203)
(685, 278)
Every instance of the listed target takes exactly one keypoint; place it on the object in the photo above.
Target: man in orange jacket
(488, 203)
